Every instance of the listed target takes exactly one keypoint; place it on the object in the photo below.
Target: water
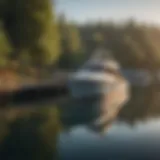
(134, 134)
(121, 141)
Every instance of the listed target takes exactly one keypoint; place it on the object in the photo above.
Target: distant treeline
(31, 34)
(134, 45)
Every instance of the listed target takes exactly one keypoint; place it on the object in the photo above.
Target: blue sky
(83, 10)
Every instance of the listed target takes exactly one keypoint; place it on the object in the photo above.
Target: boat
(99, 81)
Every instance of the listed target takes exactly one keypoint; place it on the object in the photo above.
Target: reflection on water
(134, 134)
(144, 104)
(120, 142)
(88, 112)
(39, 134)
(30, 135)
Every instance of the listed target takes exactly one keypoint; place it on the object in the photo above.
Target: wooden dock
(49, 89)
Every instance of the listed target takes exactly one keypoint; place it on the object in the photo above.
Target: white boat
(100, 77)
(97, 76)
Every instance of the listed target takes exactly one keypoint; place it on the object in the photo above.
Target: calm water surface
(133, 135)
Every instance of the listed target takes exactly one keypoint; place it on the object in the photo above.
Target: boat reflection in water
(99, 91)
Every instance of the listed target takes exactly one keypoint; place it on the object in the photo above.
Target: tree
(70, 42)
(33, 30)
(133, 44)
(5, 47)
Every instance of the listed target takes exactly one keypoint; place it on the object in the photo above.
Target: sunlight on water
(134, 135)
(120, 141)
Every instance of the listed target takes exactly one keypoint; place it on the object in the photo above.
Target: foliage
(32, 29)
(5, 47)
(70, 43)
(133, 44)
(30, 33)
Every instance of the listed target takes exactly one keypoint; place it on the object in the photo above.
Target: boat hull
(97, 108)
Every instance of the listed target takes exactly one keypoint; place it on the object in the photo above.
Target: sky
(84, 10)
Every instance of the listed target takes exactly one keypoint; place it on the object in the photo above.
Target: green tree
(70, 43)
(33, 30)
(133, 44)
(5, 47)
